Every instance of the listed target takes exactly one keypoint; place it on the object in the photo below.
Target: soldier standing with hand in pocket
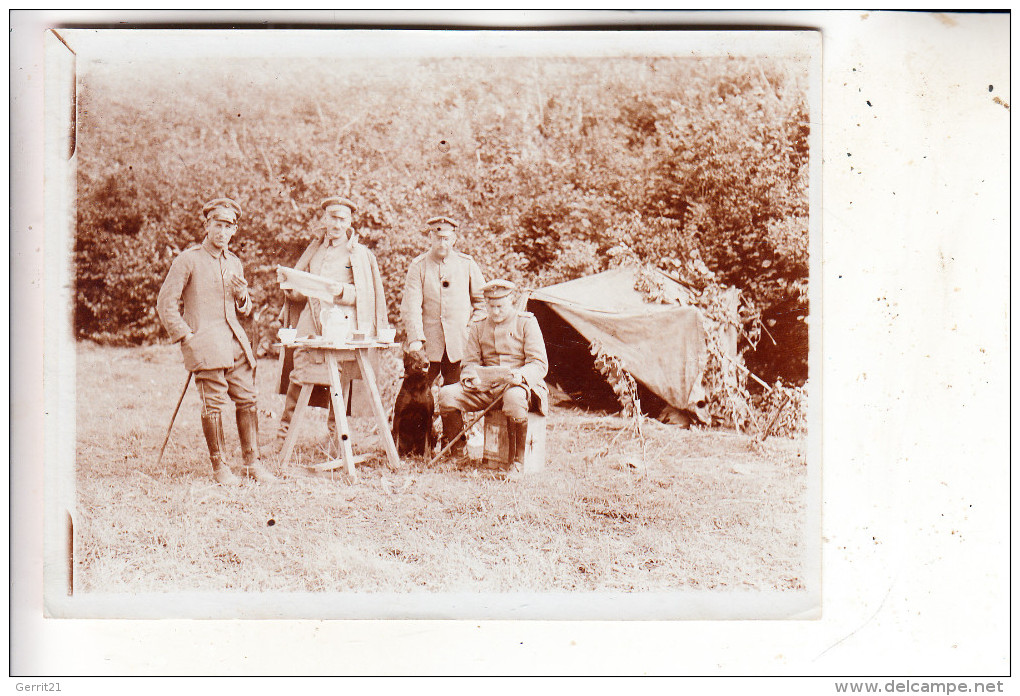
(209, 281)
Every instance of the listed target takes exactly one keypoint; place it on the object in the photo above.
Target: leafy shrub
(548, 165)
(782, 410)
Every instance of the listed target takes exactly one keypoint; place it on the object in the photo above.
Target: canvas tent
(663, 346)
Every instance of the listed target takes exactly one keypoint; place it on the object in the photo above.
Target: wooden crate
(496, 452)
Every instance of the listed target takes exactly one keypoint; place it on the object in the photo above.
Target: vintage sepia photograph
(444, 324)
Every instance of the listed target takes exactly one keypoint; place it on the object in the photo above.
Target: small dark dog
(414, 420)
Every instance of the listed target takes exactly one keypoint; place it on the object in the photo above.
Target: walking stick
(187, 383)
(466, 428)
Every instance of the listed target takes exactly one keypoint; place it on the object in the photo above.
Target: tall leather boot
(248, 431)
(518, 431)
(212, 428)
(511, 446)
(453, 423)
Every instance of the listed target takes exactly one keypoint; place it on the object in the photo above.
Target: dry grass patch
(701, 510)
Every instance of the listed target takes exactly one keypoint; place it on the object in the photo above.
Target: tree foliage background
(551, 166)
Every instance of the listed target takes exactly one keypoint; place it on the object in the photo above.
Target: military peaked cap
(226, 203)
(495, 289)
(338, 200)
(434, 223)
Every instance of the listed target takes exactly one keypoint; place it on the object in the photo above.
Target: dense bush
(549, 164)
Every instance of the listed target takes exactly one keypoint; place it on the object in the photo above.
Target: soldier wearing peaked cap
(511, 339)
(209, 281)
(495, 289)
(442, 295)
(331, 201)
(335, 253)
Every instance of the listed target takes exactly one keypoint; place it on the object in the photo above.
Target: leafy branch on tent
(729, 402)
(625, 387)
(728, 313)
(622, 382)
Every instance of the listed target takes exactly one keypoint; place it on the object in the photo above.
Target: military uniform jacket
(438, 314)
(200, 277)
(370, 302)
(370, 313)
(516, 343)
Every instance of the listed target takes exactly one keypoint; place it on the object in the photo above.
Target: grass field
(701, 510)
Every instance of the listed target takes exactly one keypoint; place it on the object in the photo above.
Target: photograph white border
(886, 469)
(131, 44)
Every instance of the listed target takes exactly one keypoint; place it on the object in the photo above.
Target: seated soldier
(506, 338)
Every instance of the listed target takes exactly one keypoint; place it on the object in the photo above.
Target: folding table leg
(295, 420)
(392, 459)
(343, 431)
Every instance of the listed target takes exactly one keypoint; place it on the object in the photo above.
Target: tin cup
(387, 335)
(287, 336)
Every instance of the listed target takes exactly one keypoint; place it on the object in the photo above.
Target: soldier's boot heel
(453, 423)
(518, 430)
(212, 428)
(248, 432)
